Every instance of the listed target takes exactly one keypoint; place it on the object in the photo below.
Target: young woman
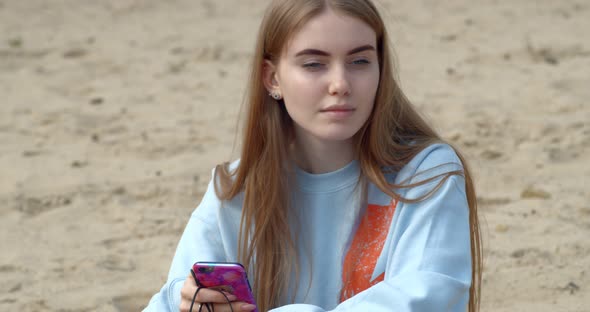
(343, 199)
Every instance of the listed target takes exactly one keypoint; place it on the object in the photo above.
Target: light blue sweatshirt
(423, 258)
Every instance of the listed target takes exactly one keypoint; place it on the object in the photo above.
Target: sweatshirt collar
(330, 181)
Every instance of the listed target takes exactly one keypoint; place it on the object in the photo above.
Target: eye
(312, 65)
(361, 62)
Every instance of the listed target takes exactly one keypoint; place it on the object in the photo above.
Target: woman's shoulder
(211, 201)
(434, 155)
(435, 159)
(228, 166)
(225, 170)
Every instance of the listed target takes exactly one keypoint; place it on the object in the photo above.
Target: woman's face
(328, 75)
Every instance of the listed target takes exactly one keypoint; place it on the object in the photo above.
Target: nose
(339, 84)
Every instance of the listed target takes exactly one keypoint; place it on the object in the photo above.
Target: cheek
(366, 86)
(299, 85)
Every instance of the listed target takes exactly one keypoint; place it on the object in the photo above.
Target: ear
(269, 77)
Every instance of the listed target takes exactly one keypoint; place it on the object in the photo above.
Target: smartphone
(230, 277)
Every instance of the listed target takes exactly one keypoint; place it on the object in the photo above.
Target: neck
(317, 156)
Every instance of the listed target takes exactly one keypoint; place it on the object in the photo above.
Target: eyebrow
(366, 47)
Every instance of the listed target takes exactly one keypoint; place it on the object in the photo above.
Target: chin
(337, 135)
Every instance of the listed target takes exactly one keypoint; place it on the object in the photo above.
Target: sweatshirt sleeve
(428, 255)
(200, 241)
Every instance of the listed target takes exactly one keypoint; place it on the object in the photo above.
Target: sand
(113, 113)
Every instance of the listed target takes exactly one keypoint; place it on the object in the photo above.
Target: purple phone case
(230, 277)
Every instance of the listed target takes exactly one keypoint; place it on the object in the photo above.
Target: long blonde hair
(262, 176)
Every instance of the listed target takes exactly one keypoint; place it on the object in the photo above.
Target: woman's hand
(209, 296)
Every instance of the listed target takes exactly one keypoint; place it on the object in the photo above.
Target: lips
(338, 112)
(338, 108)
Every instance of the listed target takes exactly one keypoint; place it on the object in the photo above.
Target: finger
(188, 289)
(213, 296)
(205, 295)
(238, 306)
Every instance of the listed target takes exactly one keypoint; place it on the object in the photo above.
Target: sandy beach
(114, 112)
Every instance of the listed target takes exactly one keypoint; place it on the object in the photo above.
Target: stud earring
(275, 95)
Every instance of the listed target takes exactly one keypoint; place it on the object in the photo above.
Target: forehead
(331, 32)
